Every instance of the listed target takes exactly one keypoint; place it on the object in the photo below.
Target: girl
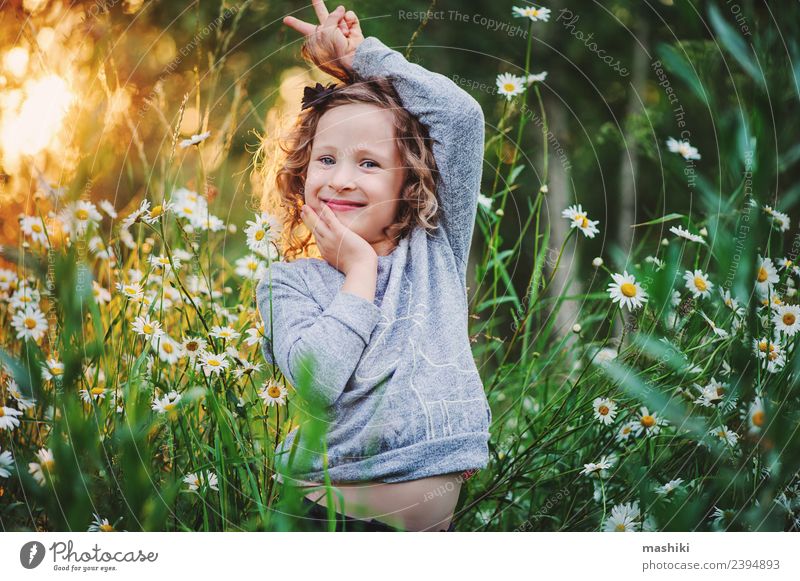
(384, 170)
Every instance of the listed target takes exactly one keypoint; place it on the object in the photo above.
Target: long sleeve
(456, 126)
(296, 326)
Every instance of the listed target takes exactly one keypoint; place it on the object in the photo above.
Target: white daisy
(52, 368)
(766, 275)
(787, 319)
(684, 148)
(509, 86)
(167, 404)
(251, 267)
(718, 331)
(255, 334)
(25, 297)
(227, 333)
(669, 487)
(683, 233)
(624, 518)
(537, 78)
(485, 202)
(535, 13)
(100, 525)
(108, 208)
(44, 465)
(34, 228)
(29, 323)
(95, 394)
(625, 432)
(162, 262)
(648, 424)
(213, 362)
(599, 469)
(169, 350)
(731, 303)
(23, 403)
(132, 290)
(245, 367)
(756, 416)
(6, 463)
(7, 278)
(144, 325)
(580, 220)
(779, 219)
(101, 294)
(195, 139)
(8, 418)
(655, 261)
(136, 216)
(626, 291)
(196, 481)
(261, 232)
(78, 216)
(194, 346)
(273, 393)
(725, 435)
(604, 410)
(698, 283)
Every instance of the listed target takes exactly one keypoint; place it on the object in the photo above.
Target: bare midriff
(426, 504)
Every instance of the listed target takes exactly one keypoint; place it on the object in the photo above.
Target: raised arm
(295, 326)
(455, 123)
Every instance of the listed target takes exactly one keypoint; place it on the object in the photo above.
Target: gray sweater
(396, 375)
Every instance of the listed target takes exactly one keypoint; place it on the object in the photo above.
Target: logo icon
(31, 554)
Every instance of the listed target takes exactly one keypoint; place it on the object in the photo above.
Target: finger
(319, 8)
(313, 221)
(334, 17)
(300, 26)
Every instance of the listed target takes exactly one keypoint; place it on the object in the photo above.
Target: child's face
(355, 158)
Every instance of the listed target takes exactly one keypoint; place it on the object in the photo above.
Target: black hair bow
(317, 95)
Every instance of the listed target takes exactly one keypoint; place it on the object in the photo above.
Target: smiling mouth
(342, 205)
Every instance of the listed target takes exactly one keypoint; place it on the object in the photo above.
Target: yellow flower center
(508, 87)
(620, 528)
(252, 265)
(36, 228)
(97, 391)
(192, 346)
(30, 323)
(762, 274)
(156, 211)
(106, 528)
(147, 328)
(170, 406)
(602, 410)
(721, 435)
(188, 210)
(700, 283)
(81, 214)
(274, 391)
(789, 319)
(2, 411)
(585, 222)
(628, 289)
(167, 347)
(758, 418)
(648, 421)
(259, 235)
(214, 362)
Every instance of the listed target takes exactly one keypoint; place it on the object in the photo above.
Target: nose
(342, 177)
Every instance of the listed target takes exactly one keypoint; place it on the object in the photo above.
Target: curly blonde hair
(418, 203)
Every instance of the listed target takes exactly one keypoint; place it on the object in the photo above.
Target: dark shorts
(318, 518)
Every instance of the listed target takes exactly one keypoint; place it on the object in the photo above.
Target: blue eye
(323, 158)
(373, 163)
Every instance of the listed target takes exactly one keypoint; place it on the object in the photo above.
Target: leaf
(736, 46)
(661, 220)
(678, 64)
